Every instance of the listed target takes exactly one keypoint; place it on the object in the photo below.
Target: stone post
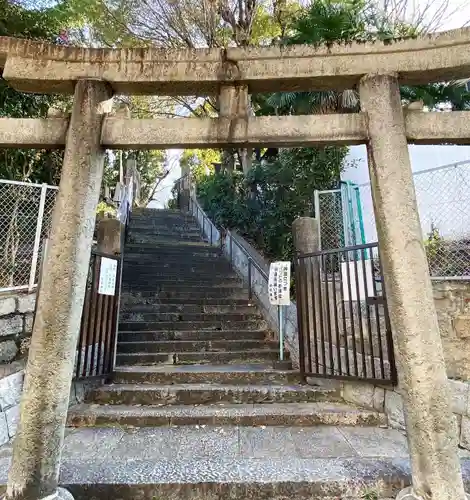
(306, 240)
(234, 104)
(432, 433)
(34, 472)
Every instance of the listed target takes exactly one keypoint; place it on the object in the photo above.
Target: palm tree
(333, 21)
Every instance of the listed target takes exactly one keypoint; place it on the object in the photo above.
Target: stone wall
(259, 286)
(16, 323)
(11, 387)
(452, 300)
(389, 400)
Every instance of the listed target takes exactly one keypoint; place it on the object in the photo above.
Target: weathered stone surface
(7, 306)
(63, 494)
(28, 323)
(48, 68)
(394, 409)
(291, 414)
(11, 325)
(360, 394)
(462, 326)
(51, 356)
(4, 437)
(459, 396)
(109, 236)
(8, 351)
(26, 303)
(13, 419)
(465, 433)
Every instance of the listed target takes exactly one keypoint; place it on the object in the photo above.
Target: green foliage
(104, 209)
(199, 162)
(327, 22)
(263, 205)
(27, 164)
(150, 165)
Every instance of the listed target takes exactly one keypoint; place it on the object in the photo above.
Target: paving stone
(267, 442)
(92, 442)
(374, 442)
(321, 442)
(208, 442)
(157, 443)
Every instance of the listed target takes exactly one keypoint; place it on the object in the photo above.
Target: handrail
(223, 234)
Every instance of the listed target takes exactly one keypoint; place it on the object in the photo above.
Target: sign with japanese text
(108, 272)
(279, 283)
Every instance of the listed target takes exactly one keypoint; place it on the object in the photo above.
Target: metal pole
(281, 334)
(318, 215)
(250, 294)
(211, 232)
(37, 238)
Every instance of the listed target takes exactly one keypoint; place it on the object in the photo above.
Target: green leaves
(263, 205)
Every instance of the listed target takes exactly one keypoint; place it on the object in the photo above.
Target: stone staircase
(194, 359)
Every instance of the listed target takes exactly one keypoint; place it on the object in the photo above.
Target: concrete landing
(215, 463)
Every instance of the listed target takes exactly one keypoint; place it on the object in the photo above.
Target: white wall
(443, 196)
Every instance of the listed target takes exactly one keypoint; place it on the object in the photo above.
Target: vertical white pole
(316, 196)
(281, 335)
(37, 238)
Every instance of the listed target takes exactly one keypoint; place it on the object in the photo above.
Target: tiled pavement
(203, 462)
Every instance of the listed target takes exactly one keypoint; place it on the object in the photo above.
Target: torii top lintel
(32, 66)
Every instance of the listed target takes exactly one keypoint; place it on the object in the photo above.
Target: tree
(26, 164)
(151, 165)
(331, 21)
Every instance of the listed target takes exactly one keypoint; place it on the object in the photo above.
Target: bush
(263, 205)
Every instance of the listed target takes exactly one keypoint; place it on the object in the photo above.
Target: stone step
(136, 300)
(236, 463)
(275, 414)
(149, 336)
(178, 266)
(148, 281)
(215, 325)
(199, 394)
(190, 275)
(184, 308)
(178, 346)
(161, 238)
(238, 357)
(149, 317)
(258, 374)
(182, 246)
(188, 293)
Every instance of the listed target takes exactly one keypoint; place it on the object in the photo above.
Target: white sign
(363, 279)
(279, 283)
(108, 272)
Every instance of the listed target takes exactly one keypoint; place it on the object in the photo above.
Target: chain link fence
(25, 219)
(443, 196)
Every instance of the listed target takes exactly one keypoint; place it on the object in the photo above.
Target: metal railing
(444, 211)
(98, 329)
(344, 327)
(25, 219)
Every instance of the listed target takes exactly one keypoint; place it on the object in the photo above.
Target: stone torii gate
(94, 75)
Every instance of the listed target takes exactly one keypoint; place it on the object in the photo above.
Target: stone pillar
(34, 472)
(432, 433)
(306, 240)
(109, 236)
(234, 104)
